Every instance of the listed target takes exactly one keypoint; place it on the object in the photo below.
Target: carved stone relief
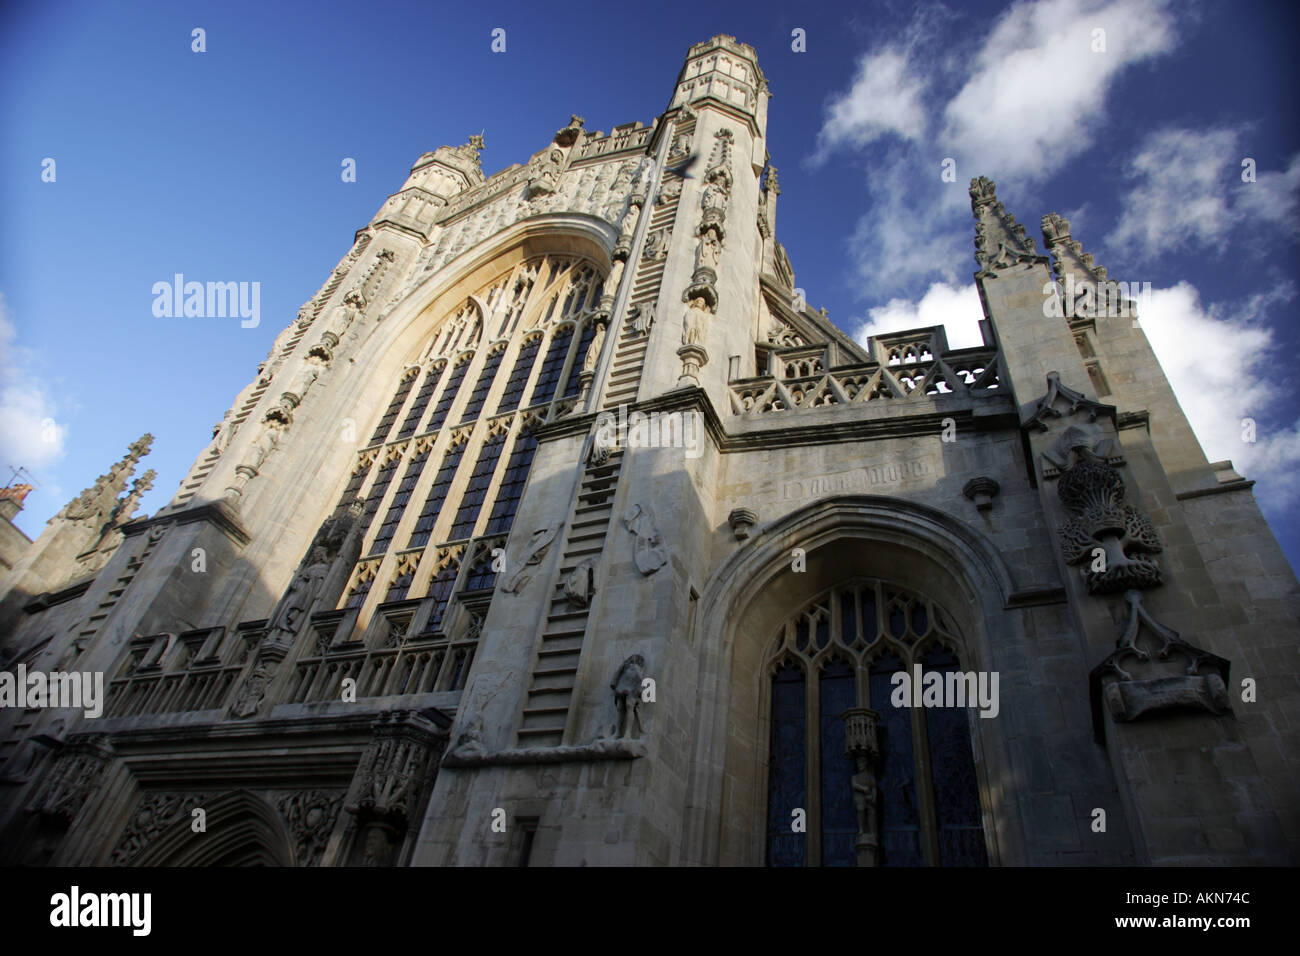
(647, 549)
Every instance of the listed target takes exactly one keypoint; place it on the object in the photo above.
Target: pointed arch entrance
(879, 785)
(894, 558)
(242, 829)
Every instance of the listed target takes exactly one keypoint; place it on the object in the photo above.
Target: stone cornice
(1243, 485)
(214, 512)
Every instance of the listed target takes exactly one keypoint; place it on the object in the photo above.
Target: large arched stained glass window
(852, 779)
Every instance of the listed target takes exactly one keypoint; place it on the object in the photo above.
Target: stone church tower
(557, 529)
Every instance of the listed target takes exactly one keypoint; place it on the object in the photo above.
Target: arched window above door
(852, 778)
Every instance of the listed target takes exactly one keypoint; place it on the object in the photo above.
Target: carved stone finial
(1067, 252)
(1000, 241)
(771, 184)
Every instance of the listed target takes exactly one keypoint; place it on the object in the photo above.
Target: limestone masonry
(413, 606)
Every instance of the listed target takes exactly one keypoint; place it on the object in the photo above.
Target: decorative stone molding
(1057, 392)
(647, 549)
(75, 775)
(393, 781)
(1112, 538)
(154, 814)
(603, 749)
(1173, 673)
(982, 491)
(742, 521)
(309, 816)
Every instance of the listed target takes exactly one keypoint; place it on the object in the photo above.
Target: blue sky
(224, 166)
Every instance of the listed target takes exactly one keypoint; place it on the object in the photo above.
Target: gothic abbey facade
(557, 529)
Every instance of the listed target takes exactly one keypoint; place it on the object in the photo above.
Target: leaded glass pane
(839, 817)
(787, 770)
(900, 821)
(956, 793)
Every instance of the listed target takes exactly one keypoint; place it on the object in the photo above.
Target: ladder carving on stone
(625, 373)
(105, 608)
(199, 473)
(555, 671)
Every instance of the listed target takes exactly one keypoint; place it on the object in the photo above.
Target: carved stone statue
(253, 690)
(297, 601)
(693, 322)
(643, 317)
(647, 550)
(709, 251)
(593, 351)
(627, 696)
(534, 551)
(580, 584)
(335, 548)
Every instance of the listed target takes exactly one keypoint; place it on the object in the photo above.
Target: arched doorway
(242, 829)
(927, 559)
(897, 788)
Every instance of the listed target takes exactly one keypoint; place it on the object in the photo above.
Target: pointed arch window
(512, 484)
(384, 536)
(476, 489)
(383, 478)
(399, 399)
(910, 797)
(574, 384)
(422, 398)
(449, 393)
(437, 495)
(483, 386)
(514, 389)
(548, 376)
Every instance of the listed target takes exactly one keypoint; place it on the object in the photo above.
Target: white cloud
(1218, 362)
(885, 98)
(1273, 197)
(1033, 97)
(957, 308)
(30, 435)
(1036, 95)
(1188, 193)
(1180, 196)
